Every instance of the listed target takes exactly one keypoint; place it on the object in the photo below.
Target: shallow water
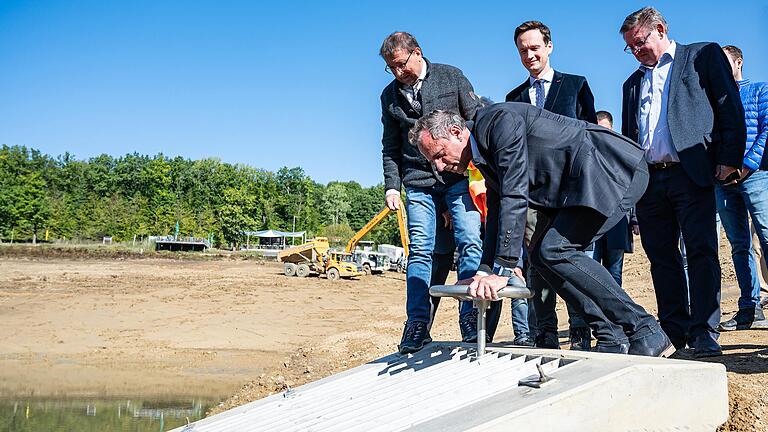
(99, 415)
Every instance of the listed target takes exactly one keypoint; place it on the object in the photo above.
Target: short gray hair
(397, 41)
(646, 17)
(437, 124)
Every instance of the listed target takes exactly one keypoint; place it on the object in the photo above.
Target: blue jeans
(421, 207)
(611, 259)
(736, 204)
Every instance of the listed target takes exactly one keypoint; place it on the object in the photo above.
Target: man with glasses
(683, 107)
(420, 86)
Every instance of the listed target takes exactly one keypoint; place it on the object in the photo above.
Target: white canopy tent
(273, 234)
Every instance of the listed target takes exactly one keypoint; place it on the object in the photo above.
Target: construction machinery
(316, 256)
(371, 225)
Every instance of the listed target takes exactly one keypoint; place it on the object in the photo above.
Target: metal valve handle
(516, 288)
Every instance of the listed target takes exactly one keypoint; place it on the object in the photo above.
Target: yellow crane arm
(403, 230)
(375, 221)
(367, 228)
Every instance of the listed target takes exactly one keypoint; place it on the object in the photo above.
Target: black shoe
(415, 336)
(523, 341)
(468, 327)
(744, 319)
(705, 346)
(680, 343)
(580, 338)
(616, 348)
(656, 344)
(547, 340)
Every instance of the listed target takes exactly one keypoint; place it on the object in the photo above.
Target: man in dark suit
(420, 86)
(609, 249)
(580, 177)
(683, 107)
(567, 95)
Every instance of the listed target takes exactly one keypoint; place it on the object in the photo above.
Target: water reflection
(100, 415)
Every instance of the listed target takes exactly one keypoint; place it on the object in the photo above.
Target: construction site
(236, 331)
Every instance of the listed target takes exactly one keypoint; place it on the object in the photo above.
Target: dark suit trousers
(558, 254)
(673, 203)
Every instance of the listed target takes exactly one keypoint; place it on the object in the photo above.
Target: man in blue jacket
(747, 197)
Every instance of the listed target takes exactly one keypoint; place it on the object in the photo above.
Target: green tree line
(140, 195)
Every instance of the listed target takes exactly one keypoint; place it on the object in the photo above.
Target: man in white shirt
(683, 107)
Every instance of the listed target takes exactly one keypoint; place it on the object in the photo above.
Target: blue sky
(273, 84)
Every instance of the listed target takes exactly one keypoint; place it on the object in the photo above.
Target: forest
(46, 198)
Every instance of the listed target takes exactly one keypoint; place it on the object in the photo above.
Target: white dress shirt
(546, 82)
(654, 135)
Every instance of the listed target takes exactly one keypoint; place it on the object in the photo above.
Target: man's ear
(455, 131)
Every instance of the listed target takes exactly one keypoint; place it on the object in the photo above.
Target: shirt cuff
(503, 270)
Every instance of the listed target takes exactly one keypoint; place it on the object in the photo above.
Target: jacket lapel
(678, 66)
(554, 89)
(428, 91)
(524, 95)
(634, 100)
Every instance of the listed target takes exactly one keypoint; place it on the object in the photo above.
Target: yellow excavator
(372, 224)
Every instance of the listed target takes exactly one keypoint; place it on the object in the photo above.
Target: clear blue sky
(274, 84)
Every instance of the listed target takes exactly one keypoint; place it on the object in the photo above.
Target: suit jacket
(704, 111)
(531, 156)
(444, 88)
(569, 95)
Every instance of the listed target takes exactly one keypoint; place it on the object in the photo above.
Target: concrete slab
(445, 387)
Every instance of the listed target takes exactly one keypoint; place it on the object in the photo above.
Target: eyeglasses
(399, 66)
(636, 47)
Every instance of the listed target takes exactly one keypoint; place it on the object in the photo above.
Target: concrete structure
(446, 387)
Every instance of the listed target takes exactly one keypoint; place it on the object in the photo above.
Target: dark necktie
(538, 86)
(415, 102)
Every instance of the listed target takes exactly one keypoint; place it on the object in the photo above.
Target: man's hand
(485, 288)
(393, 201)
(635, 229)
(722, 172)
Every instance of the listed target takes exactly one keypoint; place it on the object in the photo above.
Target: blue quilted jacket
(754, 97)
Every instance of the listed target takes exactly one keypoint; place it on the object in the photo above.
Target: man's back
(564, 155)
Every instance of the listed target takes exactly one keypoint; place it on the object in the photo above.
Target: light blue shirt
(654, 135)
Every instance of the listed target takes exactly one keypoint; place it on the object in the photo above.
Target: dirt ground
(240, 330)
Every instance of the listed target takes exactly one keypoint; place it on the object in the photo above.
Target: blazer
(444, 87)
(704, 111)
(569, 95)
(530, 156)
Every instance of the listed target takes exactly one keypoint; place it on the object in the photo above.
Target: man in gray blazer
(420, 86)
(582, 179)
(683, 107)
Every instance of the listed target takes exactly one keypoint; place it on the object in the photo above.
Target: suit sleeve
(723, 94)
(391, 152)
(491, 230)
(469, 103)
(585, 104)
(509, 149)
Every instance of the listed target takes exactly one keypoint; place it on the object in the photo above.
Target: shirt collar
(668, 56)
(476, 156)
(547, 77)
(742, 82)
